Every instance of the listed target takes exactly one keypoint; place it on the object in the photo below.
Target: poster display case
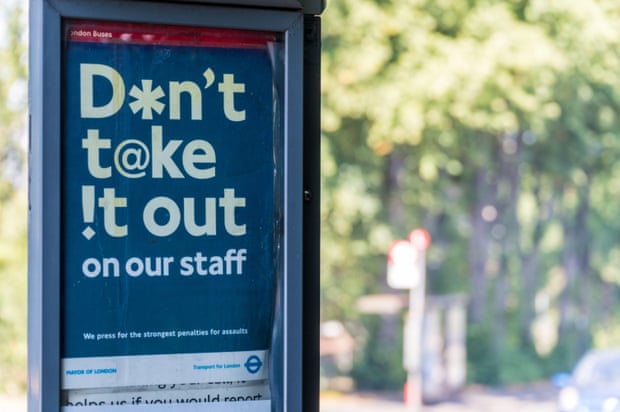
(166, 207)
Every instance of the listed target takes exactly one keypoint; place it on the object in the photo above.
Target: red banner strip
(166, 35)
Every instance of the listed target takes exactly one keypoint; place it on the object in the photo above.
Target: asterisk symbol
(147, 99)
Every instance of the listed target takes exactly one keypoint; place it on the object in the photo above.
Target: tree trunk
(478, 250)
(575, 300)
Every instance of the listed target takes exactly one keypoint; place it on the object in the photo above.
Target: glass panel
(171, 195)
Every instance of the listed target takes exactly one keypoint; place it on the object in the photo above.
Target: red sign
(403, 264)
(406, 260)
(420, 239)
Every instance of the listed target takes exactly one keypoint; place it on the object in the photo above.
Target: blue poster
(170, 171)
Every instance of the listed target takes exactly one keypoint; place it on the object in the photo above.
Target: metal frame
(315, 7)
(312, 212)
(44, 297)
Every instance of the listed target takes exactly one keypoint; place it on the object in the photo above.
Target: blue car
(594, 385)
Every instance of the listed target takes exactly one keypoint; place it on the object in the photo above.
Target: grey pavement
(12, 403)
(474, 399)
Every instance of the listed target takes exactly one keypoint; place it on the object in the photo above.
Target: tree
(490, 123)
(13, 202)
(13, 94)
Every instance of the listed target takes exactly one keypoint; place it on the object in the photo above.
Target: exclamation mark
(88, 210)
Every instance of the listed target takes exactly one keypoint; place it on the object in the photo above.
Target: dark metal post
(312, 218)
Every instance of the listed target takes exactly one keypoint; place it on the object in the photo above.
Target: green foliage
(483, 362)
(379, 362)
(13, 320)
(513, 364)
(13, 92)
(13, 202)
(494, 125)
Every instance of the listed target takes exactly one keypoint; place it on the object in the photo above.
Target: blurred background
(13, 195)
(492, 124)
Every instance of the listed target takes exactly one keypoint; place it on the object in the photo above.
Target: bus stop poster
(169, 174)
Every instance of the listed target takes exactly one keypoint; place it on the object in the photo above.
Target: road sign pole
(413, 340)
(407, 270)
